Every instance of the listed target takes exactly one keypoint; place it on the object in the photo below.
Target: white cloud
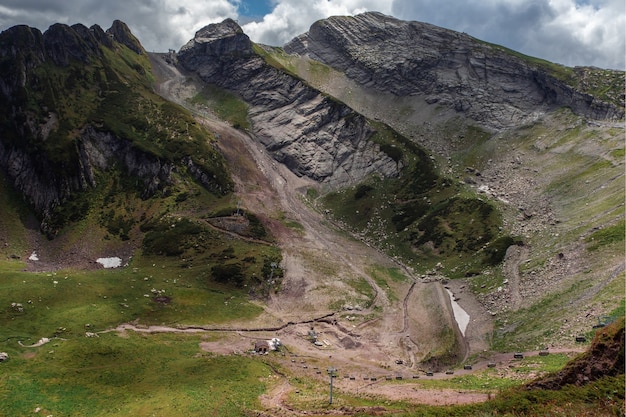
(291, 18)
(571, 32)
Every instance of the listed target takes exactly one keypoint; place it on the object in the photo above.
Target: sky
(568, 32)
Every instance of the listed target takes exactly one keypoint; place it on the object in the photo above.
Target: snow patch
(460, 315)
(113, 262)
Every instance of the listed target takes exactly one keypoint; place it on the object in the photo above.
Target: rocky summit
(487, 83)
(378, 199)
(311, 133)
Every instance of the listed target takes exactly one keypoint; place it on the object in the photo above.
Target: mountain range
(369, 176)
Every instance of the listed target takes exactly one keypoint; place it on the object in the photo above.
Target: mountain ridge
(309, 132)
(63, 98)
(452, 69)
(323, 210)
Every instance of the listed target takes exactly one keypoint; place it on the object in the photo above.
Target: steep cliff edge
(491, 85)
(313, 134)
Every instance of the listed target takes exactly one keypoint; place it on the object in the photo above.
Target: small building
(275, 343)
(262, 346)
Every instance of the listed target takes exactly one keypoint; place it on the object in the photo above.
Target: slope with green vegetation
(110, 167)
(204, 271)
(108, 90)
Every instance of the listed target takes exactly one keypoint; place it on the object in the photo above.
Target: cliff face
(35, 176)
(68, 110)
(487, 83)
(312, 134)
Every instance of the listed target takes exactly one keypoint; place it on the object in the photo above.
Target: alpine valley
(429, 223)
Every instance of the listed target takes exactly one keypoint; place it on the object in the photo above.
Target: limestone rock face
(314, 135)
(448, 68)
(32, 174)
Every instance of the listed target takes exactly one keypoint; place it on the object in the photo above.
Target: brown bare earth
(391, 336)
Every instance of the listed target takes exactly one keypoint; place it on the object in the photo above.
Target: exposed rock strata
(447, 68)
(314, 135)
(33, 174)
(45, 180)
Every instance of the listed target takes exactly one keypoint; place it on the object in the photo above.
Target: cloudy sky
(570, 32)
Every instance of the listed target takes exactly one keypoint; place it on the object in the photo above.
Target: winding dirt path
(515, 255)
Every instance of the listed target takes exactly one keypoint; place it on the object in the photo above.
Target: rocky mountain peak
(314, 135)
(221, 41)
(48, 156)
(64, 43)
(216, 31)
(21, 48)
(488, 83)
(121, 33)
(19, 38)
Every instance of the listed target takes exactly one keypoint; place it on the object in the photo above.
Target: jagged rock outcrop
(311, 133)
(101, 150)
(122, 34)
(45, 160)
(33, 174)
(62, 43)
(487, 83)
(23, 48)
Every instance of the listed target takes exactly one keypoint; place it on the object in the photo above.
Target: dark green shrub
(256, 227)
(362, 191)
(228, 274)
(407, 214)
(458, 225)
(495, 252)
(392, 151)
(170, 239)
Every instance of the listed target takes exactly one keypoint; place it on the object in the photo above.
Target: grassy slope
(584, 180)
(579, 170)
(115, 95)
(165, 374)
(113, 375)
(134, 375)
